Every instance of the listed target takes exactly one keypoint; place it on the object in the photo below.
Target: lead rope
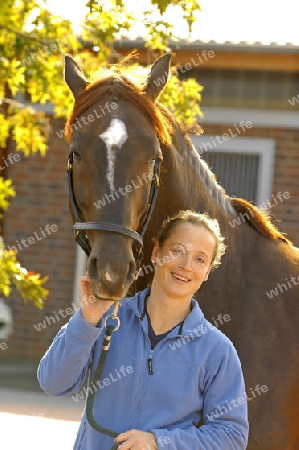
(91, 394)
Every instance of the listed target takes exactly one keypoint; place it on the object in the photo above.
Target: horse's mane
(119, 86)
(257, 219)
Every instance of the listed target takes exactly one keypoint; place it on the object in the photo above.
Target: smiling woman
(167, 398)
(195, 245)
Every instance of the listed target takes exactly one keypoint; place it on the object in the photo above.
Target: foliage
(29, 284)
(6, 191)
(103, 22)
(182, 98)
(160, 31)
(32, 45)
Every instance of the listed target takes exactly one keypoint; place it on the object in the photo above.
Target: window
(243, 166)
(259, 89)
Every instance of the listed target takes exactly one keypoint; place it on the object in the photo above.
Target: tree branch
(31, 38)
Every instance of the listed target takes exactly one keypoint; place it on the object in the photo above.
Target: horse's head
(115, 133)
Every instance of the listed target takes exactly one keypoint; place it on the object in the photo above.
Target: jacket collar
(194, 324)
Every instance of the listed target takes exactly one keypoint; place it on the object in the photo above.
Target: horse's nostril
(131, 272)
(92, 268)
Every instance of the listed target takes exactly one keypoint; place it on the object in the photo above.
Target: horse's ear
(158, 76)
(74, 76)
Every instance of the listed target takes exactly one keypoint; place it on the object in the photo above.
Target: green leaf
(4, 130)
(30, 131)
(29, 284)
(6, 191)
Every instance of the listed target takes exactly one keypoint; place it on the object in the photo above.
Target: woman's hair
(204, 220)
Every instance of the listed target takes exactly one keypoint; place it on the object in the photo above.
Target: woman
(168, 369)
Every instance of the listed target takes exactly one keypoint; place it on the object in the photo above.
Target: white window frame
(263, 118)
(264, 148)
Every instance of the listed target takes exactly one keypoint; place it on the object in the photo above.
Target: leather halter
(79, 227)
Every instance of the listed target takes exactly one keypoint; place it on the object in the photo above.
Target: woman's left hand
(136, 440)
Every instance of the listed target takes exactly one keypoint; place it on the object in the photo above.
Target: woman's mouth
(178, 277)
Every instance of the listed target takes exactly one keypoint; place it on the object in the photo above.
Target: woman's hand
(92, 308)
(136, 440)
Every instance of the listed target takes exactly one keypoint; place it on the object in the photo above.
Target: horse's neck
(194, 184)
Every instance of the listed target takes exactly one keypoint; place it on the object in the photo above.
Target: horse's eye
(77, 156)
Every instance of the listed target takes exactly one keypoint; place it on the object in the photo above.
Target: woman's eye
(200, 260)
(178, 251)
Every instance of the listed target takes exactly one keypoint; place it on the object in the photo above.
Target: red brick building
(243, 83)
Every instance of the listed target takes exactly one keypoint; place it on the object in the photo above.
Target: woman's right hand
(92, 308)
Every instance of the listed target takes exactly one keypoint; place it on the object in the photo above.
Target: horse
(119, 136)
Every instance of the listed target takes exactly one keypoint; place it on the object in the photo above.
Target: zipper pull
(150, 366)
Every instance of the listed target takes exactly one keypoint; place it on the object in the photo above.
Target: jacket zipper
(150, 363)
(150, 366)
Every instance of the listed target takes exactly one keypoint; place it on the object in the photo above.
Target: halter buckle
(113, 316)
(70, 162)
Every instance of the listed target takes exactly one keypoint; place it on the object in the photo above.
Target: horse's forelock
(119, 87)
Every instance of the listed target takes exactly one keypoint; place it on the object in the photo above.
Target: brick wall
(42, 198)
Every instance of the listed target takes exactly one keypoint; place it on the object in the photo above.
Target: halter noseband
(79, 227)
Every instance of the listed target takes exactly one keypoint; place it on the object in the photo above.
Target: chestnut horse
(118, 134)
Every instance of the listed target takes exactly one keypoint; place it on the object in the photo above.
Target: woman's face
(184, 260)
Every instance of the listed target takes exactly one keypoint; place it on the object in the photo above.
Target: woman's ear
(155, 252)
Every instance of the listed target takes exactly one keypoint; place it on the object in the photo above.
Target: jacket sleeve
(63, 369)
(225, 423)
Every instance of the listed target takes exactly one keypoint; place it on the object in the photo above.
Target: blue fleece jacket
(192, 376)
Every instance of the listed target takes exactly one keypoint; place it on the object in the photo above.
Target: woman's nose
(186, 262)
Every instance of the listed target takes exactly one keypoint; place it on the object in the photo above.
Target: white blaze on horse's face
(115, 135)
